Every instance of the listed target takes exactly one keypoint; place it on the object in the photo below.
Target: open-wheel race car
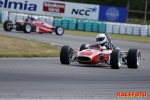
(31, 24)
(97, 54)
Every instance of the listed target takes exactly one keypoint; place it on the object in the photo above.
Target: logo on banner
(112, 14)
(18, 5)
(54, 7)
(86, 11)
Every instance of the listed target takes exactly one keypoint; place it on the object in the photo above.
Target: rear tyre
(133, 58)
(27, 27)
(7, 25)
(115, 59)
(83, 47)
(59, 30)
(66, 54)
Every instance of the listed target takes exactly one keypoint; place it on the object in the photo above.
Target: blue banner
(113, 14)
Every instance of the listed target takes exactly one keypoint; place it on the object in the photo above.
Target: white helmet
(101, 38)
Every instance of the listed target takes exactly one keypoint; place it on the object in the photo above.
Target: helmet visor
(100, 39)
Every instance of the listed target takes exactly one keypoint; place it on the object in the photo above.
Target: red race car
(32, 25)
(96, 54)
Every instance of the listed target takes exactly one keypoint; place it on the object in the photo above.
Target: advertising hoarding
(65, 9)
(73, 10)
(113, 14)
(82, 11)
(22, 6)
(51, 8)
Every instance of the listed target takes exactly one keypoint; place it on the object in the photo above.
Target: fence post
(145, 15)
(128, 4)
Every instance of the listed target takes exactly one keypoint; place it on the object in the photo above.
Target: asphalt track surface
(47, 78)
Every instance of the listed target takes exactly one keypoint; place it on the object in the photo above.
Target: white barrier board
(52, 8)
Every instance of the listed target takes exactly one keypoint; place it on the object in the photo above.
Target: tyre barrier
(116, 28)
(122, 28)
(65, 22)
(0, 16)
(136, 30)
(95, 26)
(50, 20)
(4, 16)
(42, 18)
(129, 29)
(109, 27)
(102, 27)
(144, 30)
(83, 25)
(72, 24)
(148, 31)
(25, 16)
(12, 17)
(19, 17)
(88, 25)
(57, 22)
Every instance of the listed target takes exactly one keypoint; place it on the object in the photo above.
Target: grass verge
(1, 25)
(113, 36)
(16, 47)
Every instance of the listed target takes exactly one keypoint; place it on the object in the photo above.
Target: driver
(30, 18)
(102, 40)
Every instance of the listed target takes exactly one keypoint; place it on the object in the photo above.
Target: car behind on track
(32, 25)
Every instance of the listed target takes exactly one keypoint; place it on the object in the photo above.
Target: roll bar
(110, 42)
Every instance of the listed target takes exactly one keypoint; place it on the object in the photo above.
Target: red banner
(54, 7)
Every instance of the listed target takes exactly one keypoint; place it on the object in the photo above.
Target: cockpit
(95, 46)
(31, 18)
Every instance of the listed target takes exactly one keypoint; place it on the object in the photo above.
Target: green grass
(16, 47)
(138, 21)
(113, 36)
(1, 25)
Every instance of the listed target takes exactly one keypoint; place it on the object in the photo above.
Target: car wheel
(27, 27)
(59, 30)
(66, 54)
(83, 46)
(133, 58)
(115, 59)
(7, 25)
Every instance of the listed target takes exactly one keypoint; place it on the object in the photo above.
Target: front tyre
(66, 54)
(133, 58)
(7, 25)
(115, 59)
(27, 27)
(59, 30)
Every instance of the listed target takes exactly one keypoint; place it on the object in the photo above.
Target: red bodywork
(94, 54)
(42, 26)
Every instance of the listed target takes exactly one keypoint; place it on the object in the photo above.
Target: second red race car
(97, 54)
(32, 25)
